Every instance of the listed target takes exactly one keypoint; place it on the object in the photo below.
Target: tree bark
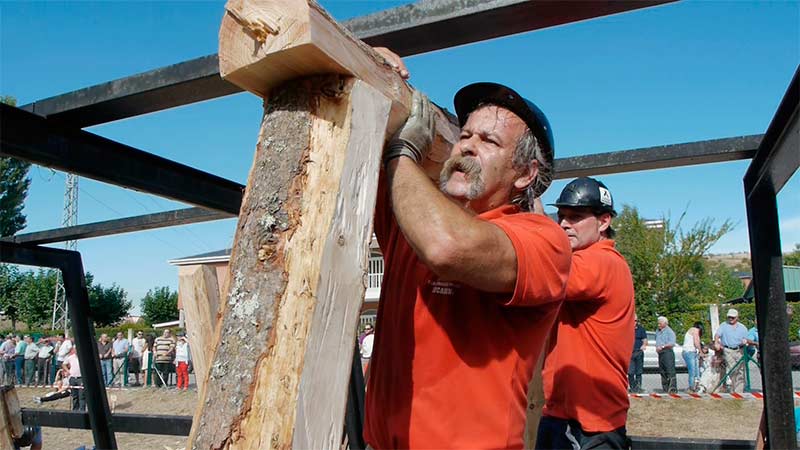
(279, 377)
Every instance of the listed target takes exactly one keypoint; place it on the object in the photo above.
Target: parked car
(794, 354)
(651, 356)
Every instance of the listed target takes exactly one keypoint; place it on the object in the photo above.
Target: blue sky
(676, 73)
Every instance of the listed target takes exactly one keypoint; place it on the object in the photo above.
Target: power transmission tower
(69, 218)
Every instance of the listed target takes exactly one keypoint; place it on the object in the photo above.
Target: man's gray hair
(663, 319)
(527, 151)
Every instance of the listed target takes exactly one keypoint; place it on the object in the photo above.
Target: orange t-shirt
(451, 364)
(585, 371)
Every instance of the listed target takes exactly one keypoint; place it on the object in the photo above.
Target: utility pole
(69, 218)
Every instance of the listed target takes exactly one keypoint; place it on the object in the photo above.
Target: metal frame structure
(777, 159)
(49, 132)
(71, 267)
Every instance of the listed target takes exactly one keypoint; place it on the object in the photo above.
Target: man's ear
(527, 176)
(604, 221)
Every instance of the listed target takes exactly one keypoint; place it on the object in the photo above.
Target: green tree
(792, 258)
(10, 281)
(14, 184)
(35, 297)
(160, 305)
(109, 305)
(668, 266)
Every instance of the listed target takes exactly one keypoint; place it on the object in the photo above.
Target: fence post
(125, 369)
(149, 368)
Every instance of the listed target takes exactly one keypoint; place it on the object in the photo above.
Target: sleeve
(543, 259)
(591, 274)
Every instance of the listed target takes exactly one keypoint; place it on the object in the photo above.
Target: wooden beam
(265, 43)
(199, 293)
(280, 374)
(10, 417)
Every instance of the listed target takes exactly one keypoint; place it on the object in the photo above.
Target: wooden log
(10, 417)
(279, 378)
(264, 43)
(535, 402)
(199, 292)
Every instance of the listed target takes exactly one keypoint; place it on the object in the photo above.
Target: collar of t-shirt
(498, 212)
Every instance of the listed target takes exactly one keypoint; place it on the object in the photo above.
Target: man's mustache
(468, 165)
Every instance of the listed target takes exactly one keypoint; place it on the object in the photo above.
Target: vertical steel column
(83, 330)
(773, 324)
(77, 296)
(354, 415)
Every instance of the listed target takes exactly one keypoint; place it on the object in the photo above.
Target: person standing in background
(665, 341)
(138, 347)
(691, 345)
(31, 354)
(43, 361)
(120, 352)
(182, 359)
(636, 368)
(105, 349)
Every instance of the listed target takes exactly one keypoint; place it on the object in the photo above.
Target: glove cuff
(397, 148)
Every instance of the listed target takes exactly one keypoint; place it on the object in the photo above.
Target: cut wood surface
(279, 378)
(199, 292)
(264, 43)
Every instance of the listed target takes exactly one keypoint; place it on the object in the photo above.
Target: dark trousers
(30, 371)
(78, 396)
(19, 363)
(559, 434)
(43, 371)
(9, 366)
(164, 368)
(635, 371)
(666, 366)
(53, 396)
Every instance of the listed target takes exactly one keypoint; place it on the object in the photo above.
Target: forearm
(425, 215)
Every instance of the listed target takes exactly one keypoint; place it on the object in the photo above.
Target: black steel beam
(33, 138)
(778, 156)
(354, 412)
(661, 157)
(671, 443)
(436, 24)
(71, 267)
(119, 226)
(123, 423)
(163, 88)
(703, 152)
(776, 160)
(421, 27)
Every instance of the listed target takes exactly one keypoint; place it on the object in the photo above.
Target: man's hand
(414, 139)
(394, 60)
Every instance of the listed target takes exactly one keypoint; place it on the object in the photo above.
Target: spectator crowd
(52, 361)
(716, 365)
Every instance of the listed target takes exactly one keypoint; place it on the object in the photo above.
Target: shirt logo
(443, 287)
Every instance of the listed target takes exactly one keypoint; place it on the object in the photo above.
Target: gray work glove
(415, 137)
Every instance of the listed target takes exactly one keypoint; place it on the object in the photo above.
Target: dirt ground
(693, 418)
(647, 417)
(135, 400)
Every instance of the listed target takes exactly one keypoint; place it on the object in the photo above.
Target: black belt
(733, 348)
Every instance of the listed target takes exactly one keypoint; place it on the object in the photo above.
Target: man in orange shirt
(586, 364)
(473, 281)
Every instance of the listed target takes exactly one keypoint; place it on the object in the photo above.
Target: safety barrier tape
(687, 395)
